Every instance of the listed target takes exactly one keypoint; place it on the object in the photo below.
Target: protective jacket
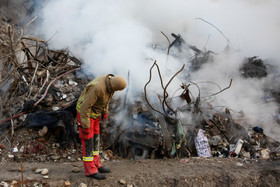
(92, 103)
(94, 99)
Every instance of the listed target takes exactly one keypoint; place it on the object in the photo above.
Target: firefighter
(92, 106)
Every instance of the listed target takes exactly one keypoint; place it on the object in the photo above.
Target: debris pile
(224, 135)
(152, 136)
(39, 89)
(253, 67)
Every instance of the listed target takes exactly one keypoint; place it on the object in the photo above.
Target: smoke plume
(121, 36)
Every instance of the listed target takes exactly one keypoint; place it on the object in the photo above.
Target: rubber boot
(98, 176)
(100, 168)
(104, 170)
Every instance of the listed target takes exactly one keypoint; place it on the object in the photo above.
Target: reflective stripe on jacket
(94, 99)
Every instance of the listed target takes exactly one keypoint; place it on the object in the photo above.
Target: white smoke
(115, 36)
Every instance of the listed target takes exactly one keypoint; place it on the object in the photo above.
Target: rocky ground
(171, 172)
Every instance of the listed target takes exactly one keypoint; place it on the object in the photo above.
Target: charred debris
(39, 88)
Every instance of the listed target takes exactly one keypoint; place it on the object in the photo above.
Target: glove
(104, 116)
(86, 130)
(84, 133)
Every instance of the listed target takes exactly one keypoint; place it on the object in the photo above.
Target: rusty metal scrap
(165, 94)
(145, 87)
(186, 93)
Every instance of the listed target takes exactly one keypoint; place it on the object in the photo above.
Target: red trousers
(90, 146)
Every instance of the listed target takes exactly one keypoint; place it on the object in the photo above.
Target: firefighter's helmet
(118, 83)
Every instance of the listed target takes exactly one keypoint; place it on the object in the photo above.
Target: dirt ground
(162, 172)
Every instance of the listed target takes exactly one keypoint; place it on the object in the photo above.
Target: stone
(67, 183)
(38, 170)
(55, 157)
(122, 181)
(265, 154)
(82, 185)
(43, 131)
(11, 156)
(72, 83)
(14, 183)
(22, 117)
(21, 149)
(44, 171)
(75, 170)
(64, 96)
(239, 164)
(4, 184)
(55, 108)
(215, 140)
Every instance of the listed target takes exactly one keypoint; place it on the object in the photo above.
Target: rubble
(49, 83)
(253, 67)
(40, 86)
